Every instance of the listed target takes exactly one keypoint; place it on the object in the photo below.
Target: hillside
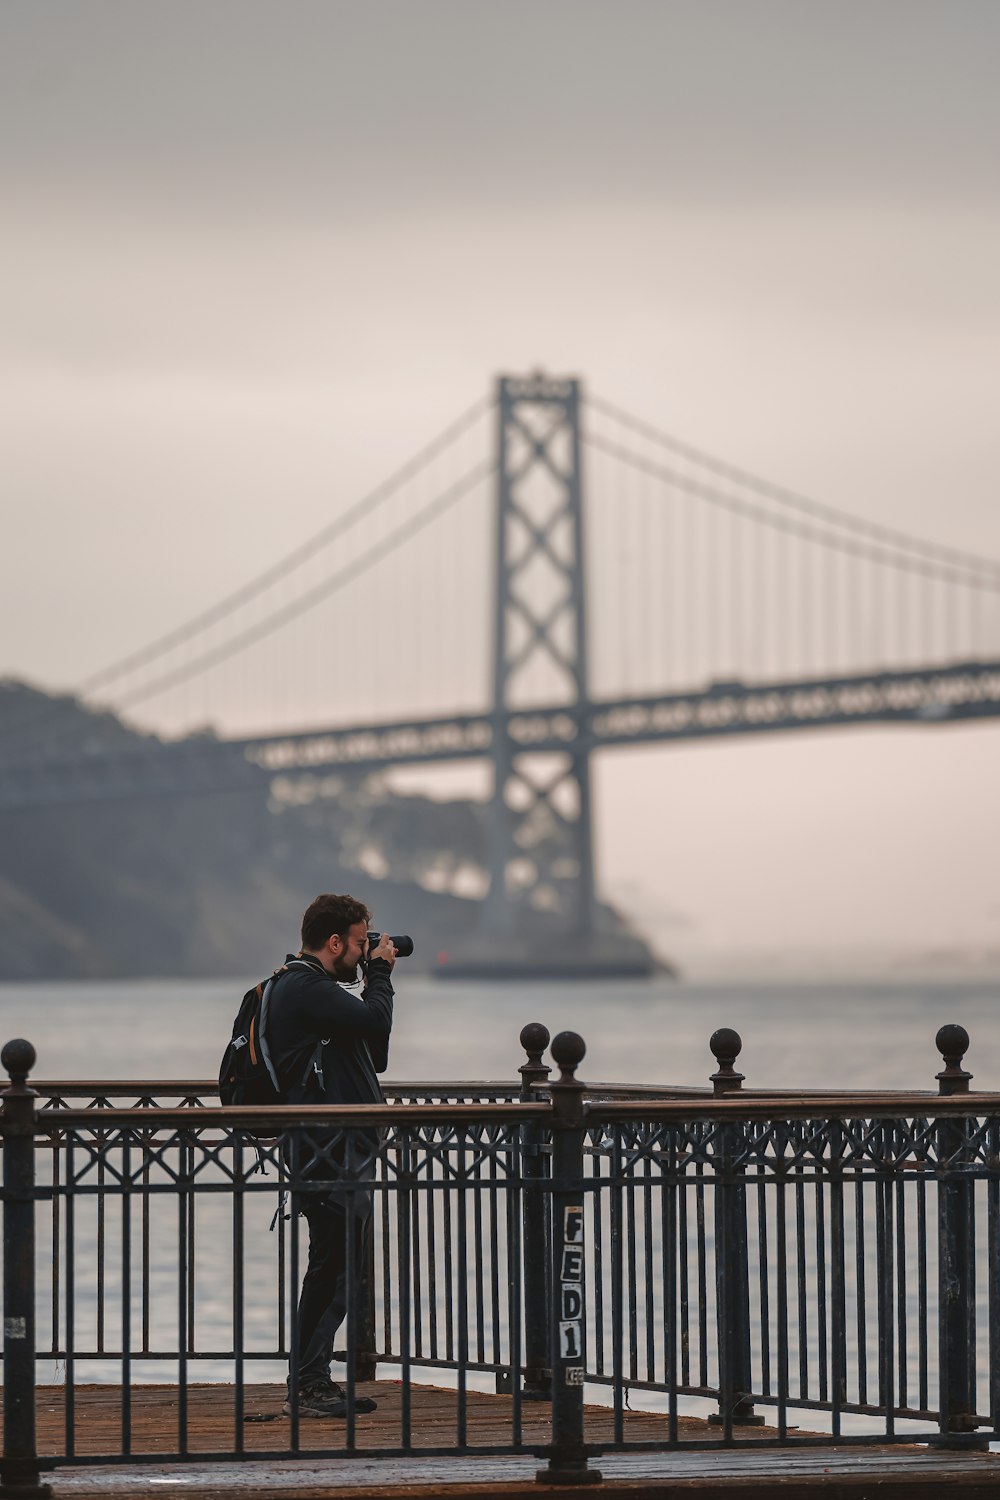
(214, 885)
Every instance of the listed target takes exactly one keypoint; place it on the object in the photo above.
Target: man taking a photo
(309, 1007)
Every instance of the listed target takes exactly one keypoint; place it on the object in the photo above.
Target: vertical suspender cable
(713, 594)
(736, 590)
(619, 537)
(629, 579)
(644, 582)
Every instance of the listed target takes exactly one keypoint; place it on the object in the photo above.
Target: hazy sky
(255, 254)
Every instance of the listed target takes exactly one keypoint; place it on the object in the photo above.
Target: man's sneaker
(325, 1398)
(318, 1400)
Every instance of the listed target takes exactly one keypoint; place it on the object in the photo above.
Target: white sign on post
(571, 1294)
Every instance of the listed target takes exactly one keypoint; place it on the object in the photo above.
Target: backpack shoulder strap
(264, 997)
(314, 1064)
(265, 1051)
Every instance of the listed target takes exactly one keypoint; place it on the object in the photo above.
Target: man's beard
(345, 972)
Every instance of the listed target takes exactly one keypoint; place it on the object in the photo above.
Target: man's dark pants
(339, 1223)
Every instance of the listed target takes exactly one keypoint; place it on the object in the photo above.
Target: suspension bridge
(549, 578)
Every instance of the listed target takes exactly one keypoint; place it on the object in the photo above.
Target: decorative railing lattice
(744, 1256)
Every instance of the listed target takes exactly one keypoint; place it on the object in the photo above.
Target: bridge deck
(913, 1473)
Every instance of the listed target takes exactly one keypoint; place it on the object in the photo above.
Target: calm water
(809, 1036)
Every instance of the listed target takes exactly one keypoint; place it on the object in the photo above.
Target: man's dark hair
(329, 914)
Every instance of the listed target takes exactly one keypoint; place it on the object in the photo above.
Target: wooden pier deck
(709, 1474)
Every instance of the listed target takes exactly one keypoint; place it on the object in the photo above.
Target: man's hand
(385, 950)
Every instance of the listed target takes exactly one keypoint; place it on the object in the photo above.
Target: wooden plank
(211, 1426)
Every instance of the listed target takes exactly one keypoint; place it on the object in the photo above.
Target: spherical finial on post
(568, 1050)
(566, 1091)
(726, 1045)
(534, 1040)
(952, 1042)
(18, 1057)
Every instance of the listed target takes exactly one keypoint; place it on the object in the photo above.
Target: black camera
(402, 944)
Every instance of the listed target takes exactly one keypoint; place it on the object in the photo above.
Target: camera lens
(402, 944)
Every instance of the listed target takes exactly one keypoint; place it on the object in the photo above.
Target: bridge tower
(541, 855)
(541, 915)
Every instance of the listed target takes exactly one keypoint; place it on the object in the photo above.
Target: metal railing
(749, 1257)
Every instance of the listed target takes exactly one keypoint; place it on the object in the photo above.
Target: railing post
(537, 1369)
(567, 1454)
(19, 1467)
(732, 1268)
(956, 1256)
(365, 1363)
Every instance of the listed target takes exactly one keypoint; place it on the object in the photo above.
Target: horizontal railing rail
(104, 1093)
(792, 1268)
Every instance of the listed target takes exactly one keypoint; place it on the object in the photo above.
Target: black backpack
(247, 1075)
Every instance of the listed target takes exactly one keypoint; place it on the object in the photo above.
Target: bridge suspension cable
(22, 732)
(833, 515)
(361, 510)
(945, 572)
(702, 573)
(304, 602)
(717, 577)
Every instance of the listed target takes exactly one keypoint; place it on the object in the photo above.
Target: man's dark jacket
(306, 1006)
